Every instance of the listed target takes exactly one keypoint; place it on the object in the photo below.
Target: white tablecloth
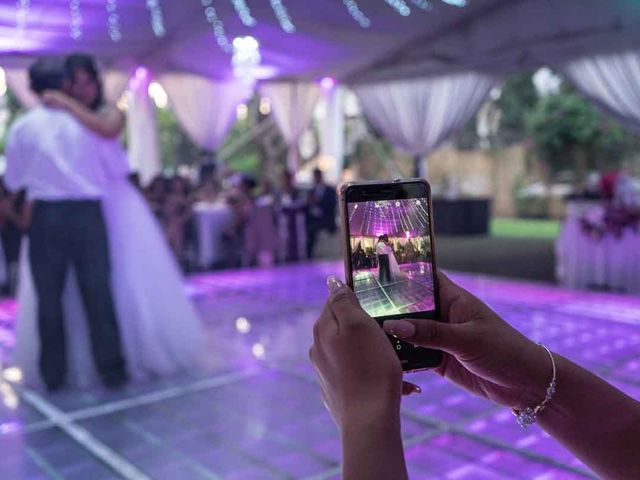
(608, 262)
(212, 219)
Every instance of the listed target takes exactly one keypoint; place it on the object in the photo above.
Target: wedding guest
(261, 237)
(155, 195)
(321, 215)
(176, 213)
(292, 207)
(362, 383)
(16, 220)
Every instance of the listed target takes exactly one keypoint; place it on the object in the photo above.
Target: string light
(217, 26)
(246, 58)
(22, 12)
(400, 6)
(356, 13)
(243, 11)
(75, 25)
(283, 16)
(113, 21)
(422, 4)
(456, 3)
(157, 19)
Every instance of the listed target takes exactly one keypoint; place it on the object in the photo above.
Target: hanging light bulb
(246, 58)
(265, 106)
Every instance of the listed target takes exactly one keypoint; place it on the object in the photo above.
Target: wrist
(373, 416)
(538, 374)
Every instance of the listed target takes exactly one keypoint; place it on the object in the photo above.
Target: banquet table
(461, 216)
(609, 262)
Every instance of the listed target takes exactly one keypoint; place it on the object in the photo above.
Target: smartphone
(390, 258)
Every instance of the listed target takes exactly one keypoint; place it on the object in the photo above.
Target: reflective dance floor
(256, 413)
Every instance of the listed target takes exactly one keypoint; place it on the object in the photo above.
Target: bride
(160, 330)
(384, 247)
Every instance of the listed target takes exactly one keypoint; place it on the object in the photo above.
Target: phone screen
(391, 254)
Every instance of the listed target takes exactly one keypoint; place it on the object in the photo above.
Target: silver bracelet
(529, 415)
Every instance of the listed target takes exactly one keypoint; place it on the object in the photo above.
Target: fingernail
(334, 284)
(399, 328)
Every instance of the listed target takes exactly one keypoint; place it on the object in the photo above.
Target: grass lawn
(524, 228)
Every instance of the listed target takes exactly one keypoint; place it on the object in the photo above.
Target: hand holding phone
(390, 259)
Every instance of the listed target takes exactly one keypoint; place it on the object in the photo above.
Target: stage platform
(256, 412)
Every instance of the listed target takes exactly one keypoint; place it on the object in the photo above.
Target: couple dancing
(100, 294)
(388, 268)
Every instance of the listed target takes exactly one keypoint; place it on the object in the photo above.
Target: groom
(59, 163)
(384, 267)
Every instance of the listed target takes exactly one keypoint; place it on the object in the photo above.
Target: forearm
(596, 421)
(372, 449)
(105, 127)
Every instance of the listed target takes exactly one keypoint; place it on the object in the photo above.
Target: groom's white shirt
(54, 157)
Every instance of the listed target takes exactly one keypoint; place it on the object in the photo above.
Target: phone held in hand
(390, 259)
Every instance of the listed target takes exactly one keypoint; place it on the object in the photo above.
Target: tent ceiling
(490, 35)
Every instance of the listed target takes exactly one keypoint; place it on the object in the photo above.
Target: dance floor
(256, 413)
(413, 292)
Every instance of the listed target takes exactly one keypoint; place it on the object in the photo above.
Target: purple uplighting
(256, 411)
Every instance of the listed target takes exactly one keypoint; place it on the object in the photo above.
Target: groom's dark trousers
(384, 272)
(64, 234)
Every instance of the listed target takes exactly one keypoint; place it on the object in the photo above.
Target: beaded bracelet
(529, 415)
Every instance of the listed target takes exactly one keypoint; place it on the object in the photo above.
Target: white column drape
(114, 84)
(292, 104)
(205, 109)
(612, 82)
(331, 130)
(417, 115)
(18, 82)
(144, 148)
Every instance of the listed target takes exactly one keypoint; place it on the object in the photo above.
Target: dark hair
(46, 74)
(80, 61)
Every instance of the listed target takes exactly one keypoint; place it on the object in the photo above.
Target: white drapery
(18, 82)
(417, 115)
(114, 85)
(144, 147)
(205, 109)
(610, 81)
(331, 133)
(292, 104)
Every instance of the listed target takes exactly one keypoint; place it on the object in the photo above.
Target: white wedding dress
(161, 332)
(394, 268)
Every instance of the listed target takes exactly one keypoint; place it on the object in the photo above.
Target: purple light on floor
(328, 83)
(271, 423)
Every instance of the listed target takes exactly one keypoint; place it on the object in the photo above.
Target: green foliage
(570, 133)
(518, 97)
(175, 146)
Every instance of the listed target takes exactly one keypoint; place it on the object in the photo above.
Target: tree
(517, 99)
(569, 133)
